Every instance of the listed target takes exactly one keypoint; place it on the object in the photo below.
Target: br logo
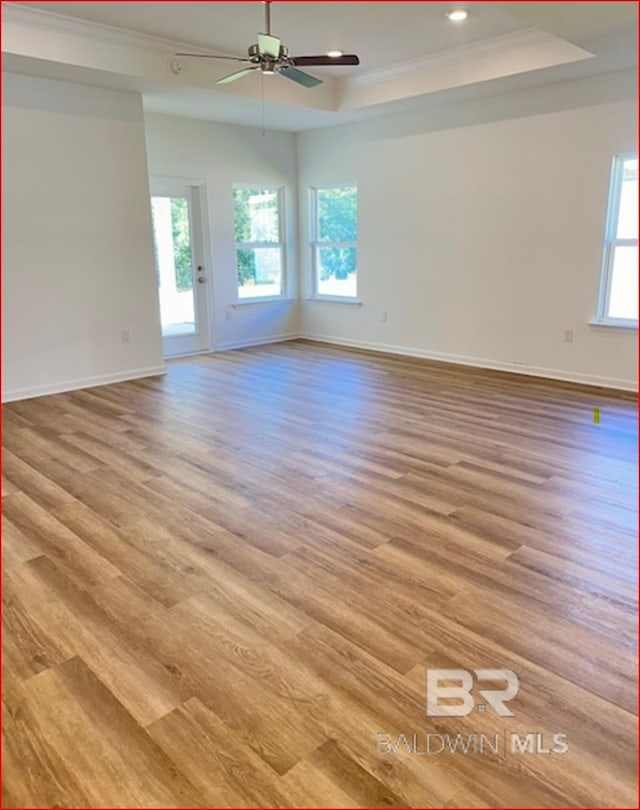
(461, 692)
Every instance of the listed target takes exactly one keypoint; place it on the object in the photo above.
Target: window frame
(612, 241)
(281, 245)
(315, 244)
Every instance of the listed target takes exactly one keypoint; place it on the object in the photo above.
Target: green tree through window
(335, 248)
(181, 243)
(337, 223)
(246, 259)
(259, 248)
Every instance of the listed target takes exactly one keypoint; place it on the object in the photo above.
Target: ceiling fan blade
(309, 61)
(237, 75)
(213, 56)
(299, 76)
(268, 46)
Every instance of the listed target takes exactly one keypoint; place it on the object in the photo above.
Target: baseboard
(478, 362)
(245, 344)
(86, 382)
(407, 351)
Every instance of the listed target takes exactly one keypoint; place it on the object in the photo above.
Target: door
(178, 235)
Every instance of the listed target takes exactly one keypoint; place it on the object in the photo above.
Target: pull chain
(264, 131)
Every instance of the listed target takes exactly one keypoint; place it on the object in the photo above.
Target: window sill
(333, 299)
(614, 324)
(252, 302)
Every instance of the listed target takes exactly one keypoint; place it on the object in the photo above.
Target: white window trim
(265, 299)
(610, 243)
(314, 244)
(335, 299)
(615, 323)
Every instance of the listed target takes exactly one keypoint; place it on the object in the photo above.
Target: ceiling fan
(270, 56)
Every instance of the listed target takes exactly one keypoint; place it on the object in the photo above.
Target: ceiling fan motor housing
(257, 57)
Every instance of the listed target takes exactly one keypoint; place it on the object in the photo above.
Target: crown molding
(31, 33)
(526, 37)
(50, 40)
(17, 14)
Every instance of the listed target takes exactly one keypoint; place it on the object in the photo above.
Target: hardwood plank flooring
(223, 587)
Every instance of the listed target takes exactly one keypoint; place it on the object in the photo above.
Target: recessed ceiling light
(457, 15)
(334, 54)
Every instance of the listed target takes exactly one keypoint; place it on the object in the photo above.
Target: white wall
(480, 222)
(481, 228)
(220, 155)
(78, 257)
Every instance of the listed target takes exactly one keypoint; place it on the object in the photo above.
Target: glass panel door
(179, 267)
(174, 260)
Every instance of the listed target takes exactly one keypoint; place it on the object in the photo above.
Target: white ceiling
(381, 33)
(411, 54)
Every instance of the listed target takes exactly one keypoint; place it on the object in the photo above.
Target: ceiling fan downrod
(267, 17)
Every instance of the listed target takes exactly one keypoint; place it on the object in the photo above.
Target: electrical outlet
(567, 335)
(125, 336)
(384, 317)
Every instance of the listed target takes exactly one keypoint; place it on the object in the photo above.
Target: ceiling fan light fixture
(268, 66)
(458, 15)
(334, 54)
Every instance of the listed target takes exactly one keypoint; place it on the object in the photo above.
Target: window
(619, 288)
(333, 241)
(259, 242)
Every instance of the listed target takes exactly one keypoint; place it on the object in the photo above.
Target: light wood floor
(220, 586)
